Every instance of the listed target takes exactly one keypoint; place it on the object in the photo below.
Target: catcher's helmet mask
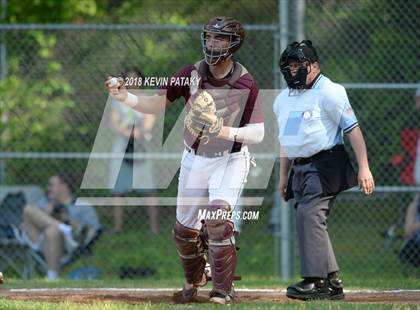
(227, 27)
(303, 53)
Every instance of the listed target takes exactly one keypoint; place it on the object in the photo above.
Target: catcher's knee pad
(220, 231)
(191, 253)
(222, 254)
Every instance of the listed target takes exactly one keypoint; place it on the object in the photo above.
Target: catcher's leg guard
(222, 256)
(205, 239)
(191, 253)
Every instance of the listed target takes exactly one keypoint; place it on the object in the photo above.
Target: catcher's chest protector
(229, 94)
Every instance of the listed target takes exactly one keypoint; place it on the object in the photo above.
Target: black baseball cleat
(309, 289)
(189, 292)
(335, 286)
(186, 295)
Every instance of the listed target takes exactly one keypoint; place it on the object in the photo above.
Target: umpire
(312, 115)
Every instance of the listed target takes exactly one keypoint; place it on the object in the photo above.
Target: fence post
(3, 73)
(282, 236)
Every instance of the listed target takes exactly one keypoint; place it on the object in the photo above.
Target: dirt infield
(137, 296)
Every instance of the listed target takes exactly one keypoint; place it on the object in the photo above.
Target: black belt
(302, 160)
(307, 160)
(210, 154)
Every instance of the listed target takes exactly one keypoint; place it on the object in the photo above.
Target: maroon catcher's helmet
(222, 26)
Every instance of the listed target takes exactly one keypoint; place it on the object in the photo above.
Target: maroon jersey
(235, 96)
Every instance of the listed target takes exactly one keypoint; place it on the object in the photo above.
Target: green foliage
(373, 41)
(33, 109)
(50, 11)
(188, 11)
(54, 102)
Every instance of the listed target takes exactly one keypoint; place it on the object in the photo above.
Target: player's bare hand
(365, 180)
(116, 88)
(282, 188)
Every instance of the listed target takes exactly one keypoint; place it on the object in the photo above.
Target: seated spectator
(51, 224)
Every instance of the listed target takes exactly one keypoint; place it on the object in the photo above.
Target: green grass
(247, 282)
(356, 233)
(355, 230)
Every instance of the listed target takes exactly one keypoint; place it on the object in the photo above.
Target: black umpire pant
(317, 258)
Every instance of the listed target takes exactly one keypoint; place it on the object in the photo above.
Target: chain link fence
(53, 103)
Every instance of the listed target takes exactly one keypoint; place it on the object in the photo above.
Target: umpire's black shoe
(309, 289)
(335, 285)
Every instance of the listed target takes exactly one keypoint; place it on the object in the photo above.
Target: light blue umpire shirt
(312, 120)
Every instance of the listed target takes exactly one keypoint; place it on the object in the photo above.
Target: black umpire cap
(300, 51)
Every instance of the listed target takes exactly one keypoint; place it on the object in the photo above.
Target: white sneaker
(221, 300)
(69, 243)
(207, 271)
(52, 275)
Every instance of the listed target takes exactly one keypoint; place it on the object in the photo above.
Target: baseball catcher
(223, 116)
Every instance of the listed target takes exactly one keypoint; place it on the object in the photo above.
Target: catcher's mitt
(201, 120)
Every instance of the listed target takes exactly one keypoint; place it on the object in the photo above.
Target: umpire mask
(304, 54)
(221, 37)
